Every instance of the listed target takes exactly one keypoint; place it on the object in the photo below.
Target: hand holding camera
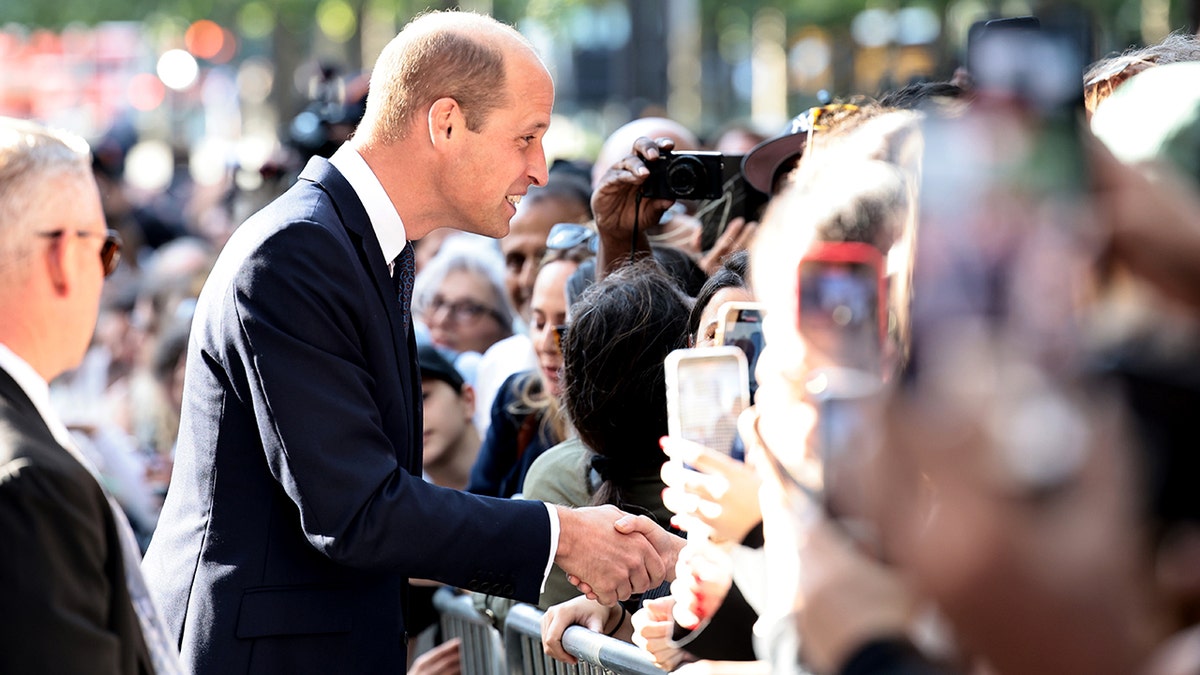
(622, 213)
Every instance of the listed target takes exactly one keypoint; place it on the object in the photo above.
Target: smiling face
(549, 304)
(496, 165)
(525, 244)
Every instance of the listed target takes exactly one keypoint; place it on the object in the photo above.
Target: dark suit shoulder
(41, 478)
(62, 567)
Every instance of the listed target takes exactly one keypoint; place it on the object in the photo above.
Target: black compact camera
(685, 175)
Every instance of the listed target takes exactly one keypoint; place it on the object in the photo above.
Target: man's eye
(515, 262)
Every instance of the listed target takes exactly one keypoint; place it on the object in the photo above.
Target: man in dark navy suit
(296, 511)
(74, 600)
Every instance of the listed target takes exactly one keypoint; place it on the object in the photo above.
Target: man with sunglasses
(296, 512)
(74, 599)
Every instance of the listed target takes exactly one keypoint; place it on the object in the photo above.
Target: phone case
(707, 389)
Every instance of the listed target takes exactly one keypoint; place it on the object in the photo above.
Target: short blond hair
(458, 55)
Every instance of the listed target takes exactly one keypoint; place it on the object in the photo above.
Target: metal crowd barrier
(520, 650)
(482, 647)
(596, 653)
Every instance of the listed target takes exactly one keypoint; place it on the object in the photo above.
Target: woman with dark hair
(526, 419)
(727, 284)
(621, 330)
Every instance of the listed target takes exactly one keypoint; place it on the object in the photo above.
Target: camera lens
(685, 175)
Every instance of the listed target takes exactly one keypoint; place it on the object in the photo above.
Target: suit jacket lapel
(355, 220)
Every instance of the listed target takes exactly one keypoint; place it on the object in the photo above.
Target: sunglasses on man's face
(110, 252)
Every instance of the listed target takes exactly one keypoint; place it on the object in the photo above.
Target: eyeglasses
(463, 311)
(560, 334)
(110, 252)
(569, 235)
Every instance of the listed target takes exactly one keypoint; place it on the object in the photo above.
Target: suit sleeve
(301, 321)
(56, 571)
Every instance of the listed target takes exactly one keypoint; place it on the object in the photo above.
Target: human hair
(731, 274)
(565, 185)
(465, 253)
(922, 95)
(33, 160)
(1104, 76)
(450, 54)
(621, 330)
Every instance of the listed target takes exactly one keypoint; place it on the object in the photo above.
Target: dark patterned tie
(402, 274)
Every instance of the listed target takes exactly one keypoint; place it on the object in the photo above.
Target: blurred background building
(220, 86)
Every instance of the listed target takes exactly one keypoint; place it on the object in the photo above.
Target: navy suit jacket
(65, 601)
(296, 511)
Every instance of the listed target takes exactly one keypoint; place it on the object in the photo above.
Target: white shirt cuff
(555, 529)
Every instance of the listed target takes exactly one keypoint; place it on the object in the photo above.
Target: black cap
(763, 161)
(434, 366)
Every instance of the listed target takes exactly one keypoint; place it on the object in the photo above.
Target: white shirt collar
(389, 230)
(38, 391)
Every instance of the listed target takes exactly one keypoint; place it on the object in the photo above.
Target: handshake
(610, 555)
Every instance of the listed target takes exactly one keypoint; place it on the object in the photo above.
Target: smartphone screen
(707, 389)
(740, 325)
(839, 313)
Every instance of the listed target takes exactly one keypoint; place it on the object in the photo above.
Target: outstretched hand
(667, 545)
(606, 564)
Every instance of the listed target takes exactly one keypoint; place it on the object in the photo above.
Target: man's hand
(578, 611)
(615, 205)
(612, 564)
(667, 545)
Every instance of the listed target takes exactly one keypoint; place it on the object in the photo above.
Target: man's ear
(467, 396)
(446, 122)
(56, 264)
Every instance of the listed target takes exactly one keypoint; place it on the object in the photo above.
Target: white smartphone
(707, 389)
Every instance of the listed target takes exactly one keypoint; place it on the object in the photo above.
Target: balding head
(620, 142)
(458, 55)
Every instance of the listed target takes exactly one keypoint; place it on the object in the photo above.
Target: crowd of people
(438, 360)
